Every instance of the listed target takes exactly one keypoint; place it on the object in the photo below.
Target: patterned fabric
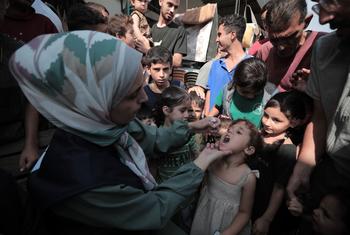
(75, 79)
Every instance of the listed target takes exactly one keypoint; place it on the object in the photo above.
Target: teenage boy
(158, 62)
(229, 39)
(167, 34)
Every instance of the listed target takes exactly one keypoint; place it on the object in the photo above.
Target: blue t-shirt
(219, 76)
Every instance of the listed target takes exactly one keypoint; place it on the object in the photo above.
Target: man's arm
(177, 60)
(313, 146)
(207, 103)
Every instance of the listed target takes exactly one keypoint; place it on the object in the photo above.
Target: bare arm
(214, 112)
(245, 207)
(313, 147)
(30, 152)
(262, 224)
(177, 60)
(207, 103)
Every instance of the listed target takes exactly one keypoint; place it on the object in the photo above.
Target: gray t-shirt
(329, 83)
(173, 37)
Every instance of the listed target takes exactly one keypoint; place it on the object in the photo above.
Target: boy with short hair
(246, 95)
(158, 63)
(197, 106)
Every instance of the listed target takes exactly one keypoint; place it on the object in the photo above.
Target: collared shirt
(219, 76)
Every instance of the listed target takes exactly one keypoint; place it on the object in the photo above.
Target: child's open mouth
(226, 139)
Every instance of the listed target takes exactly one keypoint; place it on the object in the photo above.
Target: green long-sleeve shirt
(129, 208)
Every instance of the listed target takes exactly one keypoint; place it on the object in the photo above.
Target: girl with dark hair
(174, 106)
(283, 112)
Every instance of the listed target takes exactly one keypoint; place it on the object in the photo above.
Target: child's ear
(166, 110)
(249, 151)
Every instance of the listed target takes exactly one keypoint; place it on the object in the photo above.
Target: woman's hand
(209, 154)
(28, 157)
(210, 124)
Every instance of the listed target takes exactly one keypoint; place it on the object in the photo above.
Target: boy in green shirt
(245, 96)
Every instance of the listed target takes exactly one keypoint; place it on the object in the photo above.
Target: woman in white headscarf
(94, 178)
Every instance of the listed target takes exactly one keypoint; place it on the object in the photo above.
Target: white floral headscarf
(75, 79)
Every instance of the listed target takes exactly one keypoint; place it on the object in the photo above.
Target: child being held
(226, 201)
(141, 27)
(332, 217)
(245, 96)
(158, 64)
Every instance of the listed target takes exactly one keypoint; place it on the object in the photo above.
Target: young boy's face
(160, 73)
(195, 112)
(140, 5)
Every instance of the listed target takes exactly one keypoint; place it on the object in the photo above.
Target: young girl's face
(327, 219)
(236, 139)
(140, 5)
(274, 122)
(178, 113)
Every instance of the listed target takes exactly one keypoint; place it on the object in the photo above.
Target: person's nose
(172, 9)
(161, 73)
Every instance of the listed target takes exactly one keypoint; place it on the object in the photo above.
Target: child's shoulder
(137, 13)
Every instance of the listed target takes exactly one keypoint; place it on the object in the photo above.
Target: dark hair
(266, 7)
(291, 103)
(250, 73)
(144, 113)
(119, 25)
(196, 99)
(81, 16)
(156, 55)
(97, 6)
(281, 13)
(255, 138)
(234, 23)
(171, 97)
(63, 6)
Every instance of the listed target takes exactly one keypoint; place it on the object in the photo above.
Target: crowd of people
(258, 146)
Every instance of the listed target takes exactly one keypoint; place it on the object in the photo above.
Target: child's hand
(295, 207)
(261, 226)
